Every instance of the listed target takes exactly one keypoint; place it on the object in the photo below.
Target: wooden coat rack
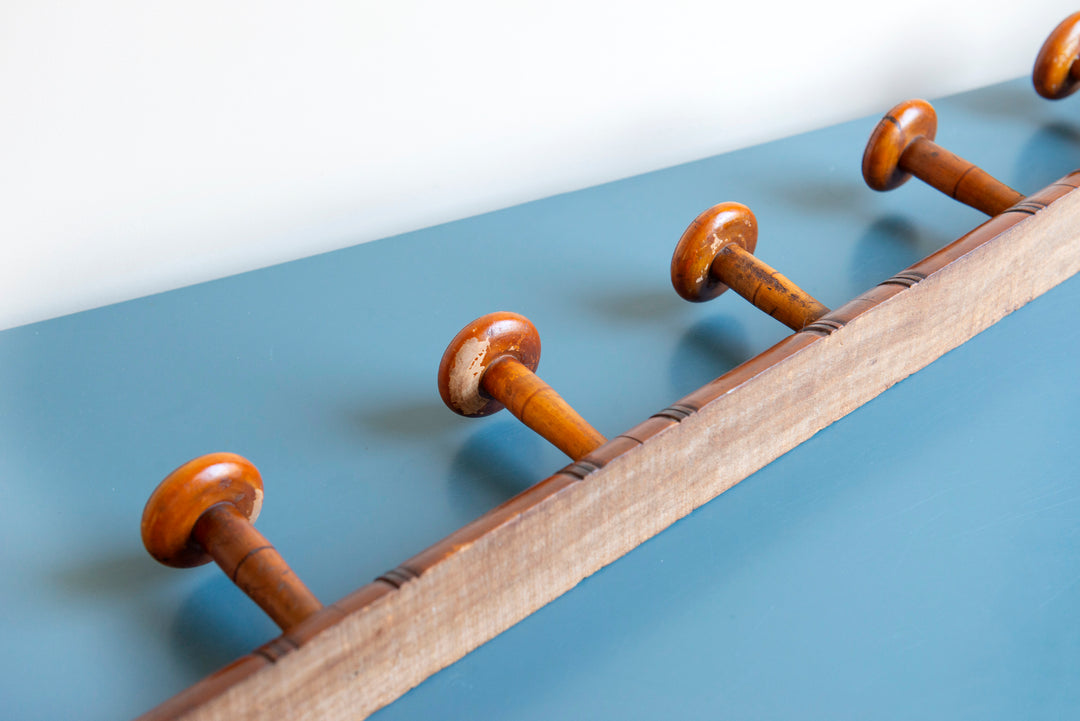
(351, 657)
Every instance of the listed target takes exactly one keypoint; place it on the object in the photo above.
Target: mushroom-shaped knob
(717, 252)
(904, 124)
(474, 349)
(717, 229)
(490, 364)
(903, 145)
(203, 511)
(1057, 67)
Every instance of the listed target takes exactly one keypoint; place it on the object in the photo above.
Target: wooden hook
(490, 364)
(204, 511)
(717, 252)
(903, 145)
(1057, 67)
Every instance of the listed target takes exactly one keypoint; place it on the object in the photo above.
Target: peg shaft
(538, 406)
(717, 253)
(903, 145)
(203, 511)
(766, 288)
(491, 364)
(254, 565)
(958, 178)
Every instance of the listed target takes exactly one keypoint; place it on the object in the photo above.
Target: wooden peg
(490, 365)
(1057, 67)
(205, 510)
(903, 145)
(717, 252)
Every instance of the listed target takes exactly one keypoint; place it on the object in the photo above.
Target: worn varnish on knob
(203, 511)
(491, 363)
(903, 145)
(717, 252)
(1057, 67)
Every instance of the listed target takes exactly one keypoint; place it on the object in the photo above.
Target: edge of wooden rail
(368, 649)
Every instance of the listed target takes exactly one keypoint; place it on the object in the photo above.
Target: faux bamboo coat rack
(536, 546)
(353, 656)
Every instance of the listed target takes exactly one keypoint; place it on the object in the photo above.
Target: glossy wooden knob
(476, 347)
(716, 253)
(903, 145)
(203, 511)
(719, 227)
(491, 364)
(903, 125)
(1057, 67)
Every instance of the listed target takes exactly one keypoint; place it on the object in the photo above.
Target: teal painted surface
(919, 558)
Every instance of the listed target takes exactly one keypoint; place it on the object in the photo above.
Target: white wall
(149, 145)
